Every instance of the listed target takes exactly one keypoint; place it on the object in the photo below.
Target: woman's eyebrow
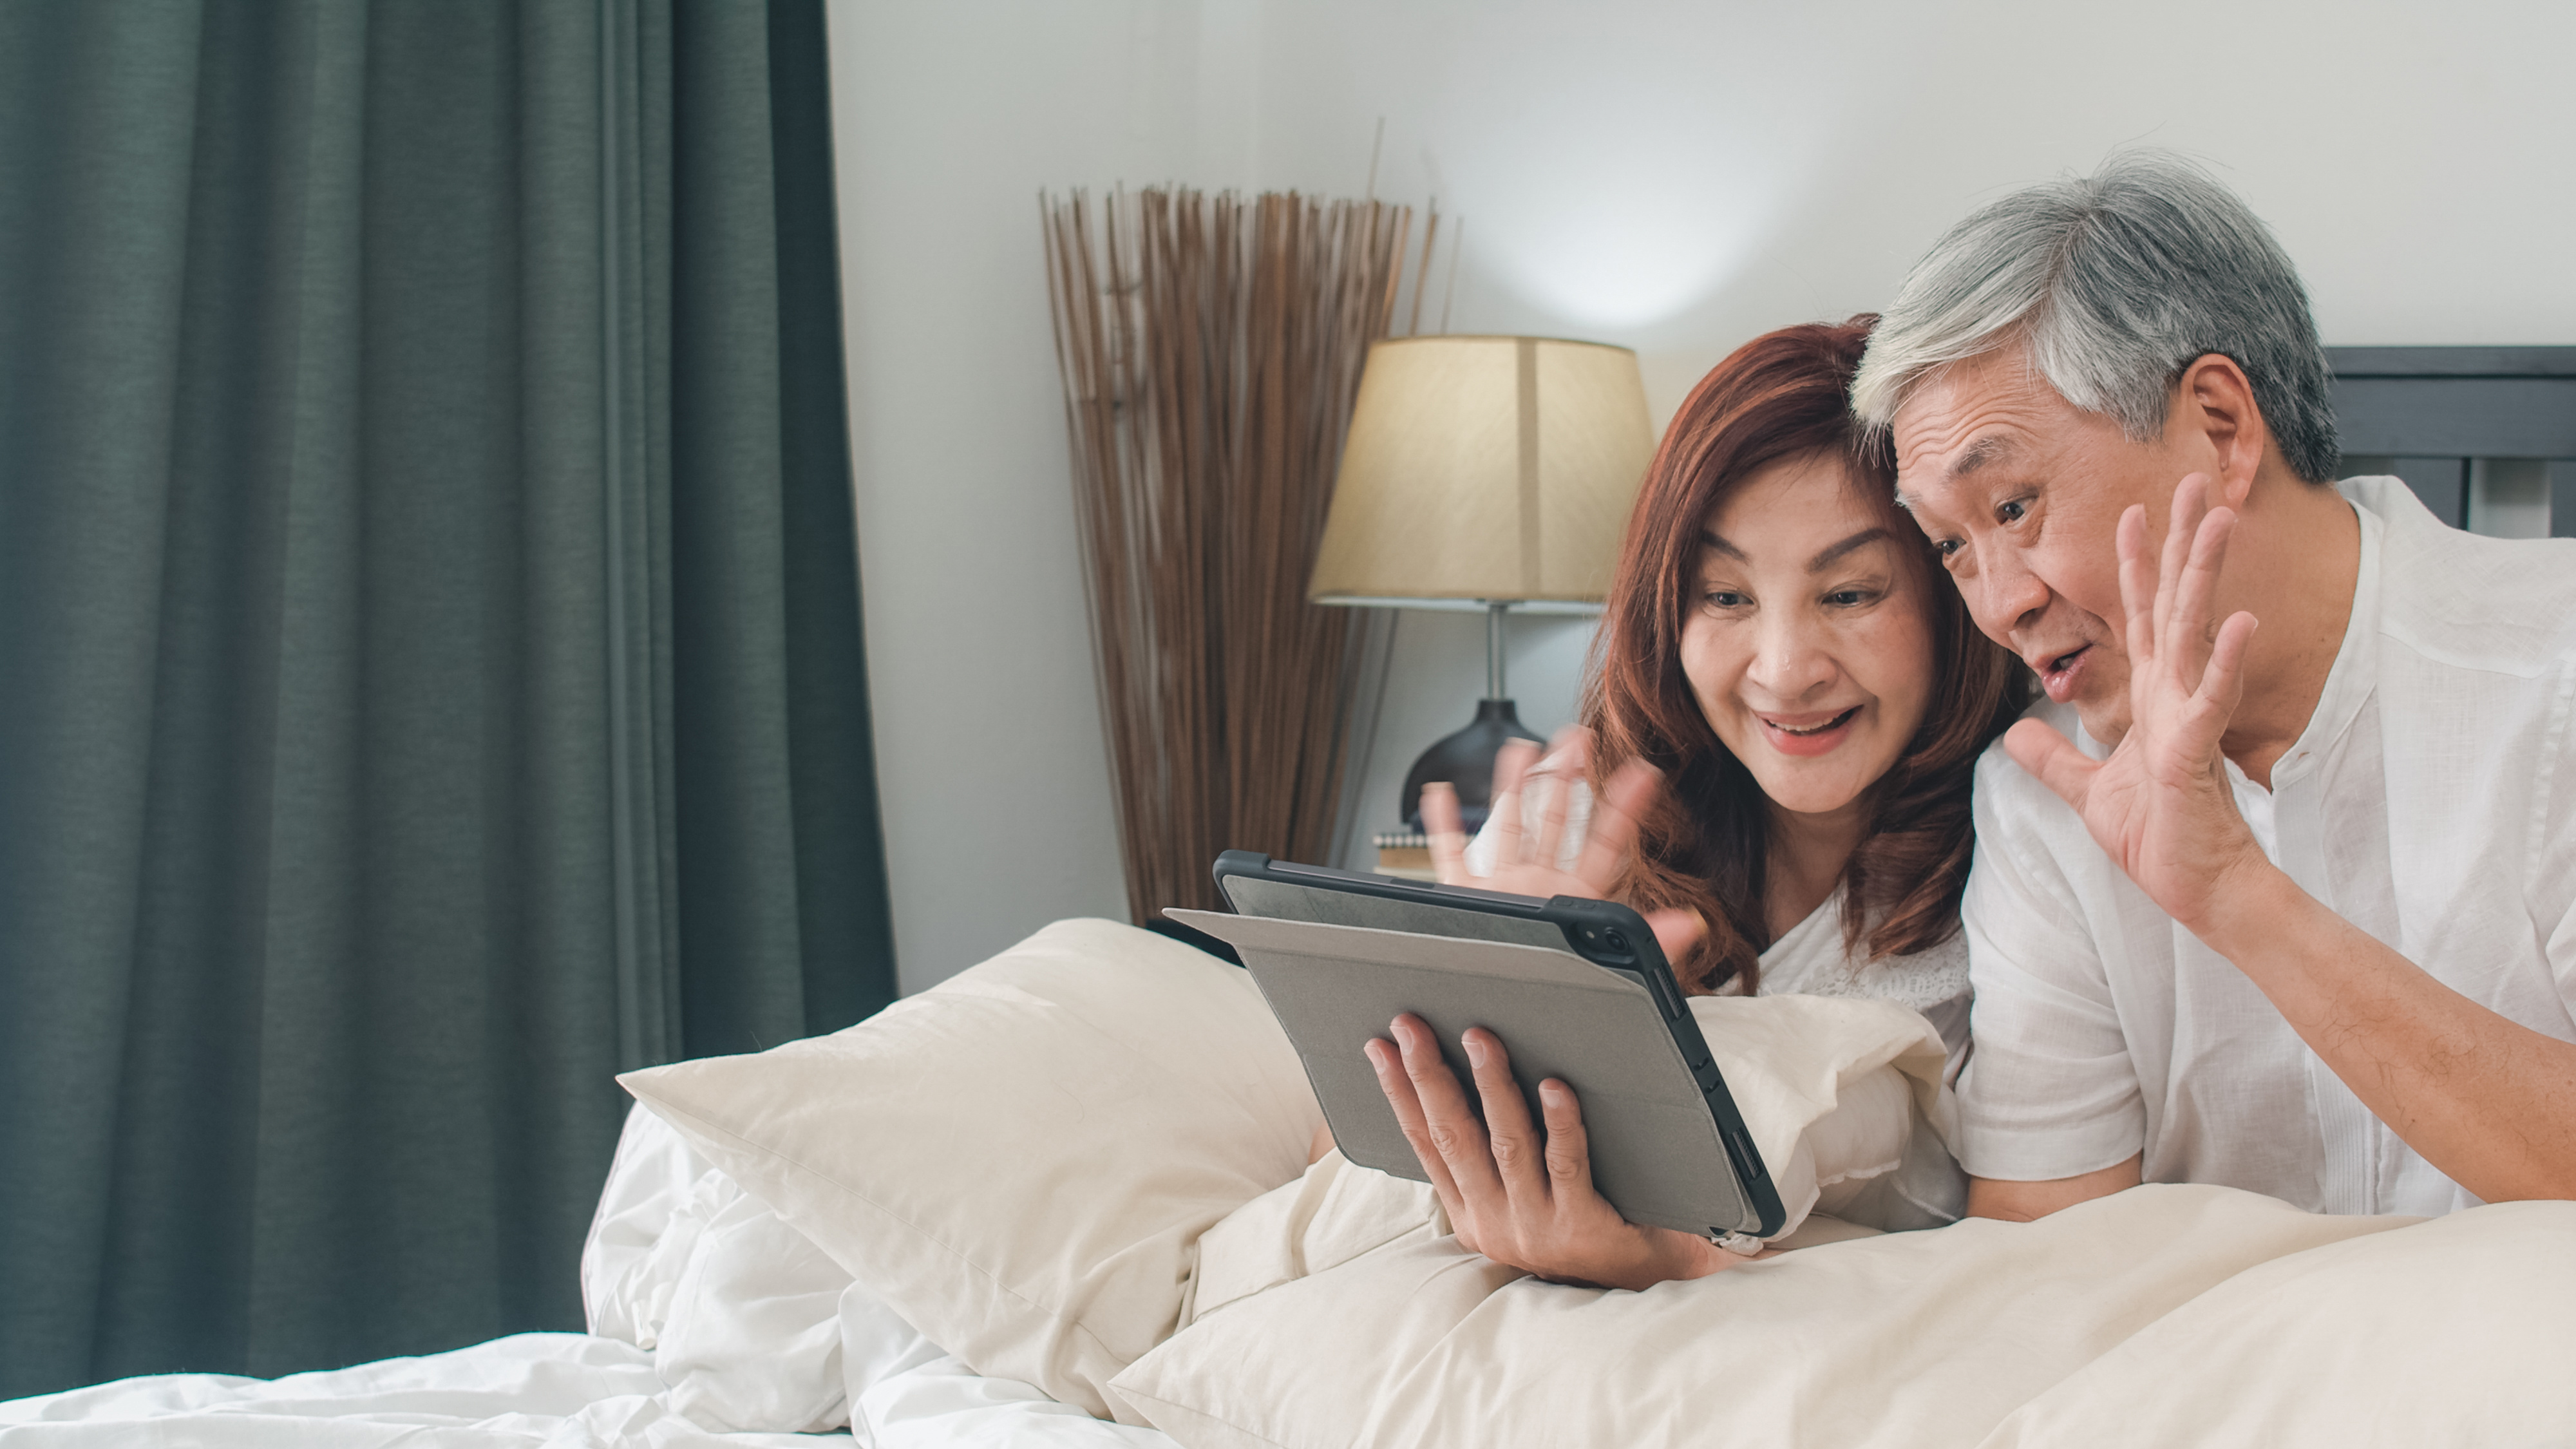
(1709, 538)
(1825, 558)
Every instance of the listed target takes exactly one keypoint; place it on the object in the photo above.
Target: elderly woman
(1787, 707)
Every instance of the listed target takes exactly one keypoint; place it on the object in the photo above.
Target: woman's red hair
(1704, 847)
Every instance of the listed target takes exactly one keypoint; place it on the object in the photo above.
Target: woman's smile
(1807, 734)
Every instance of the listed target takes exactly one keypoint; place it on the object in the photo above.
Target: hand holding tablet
(1577, 988)
(1522, 1197)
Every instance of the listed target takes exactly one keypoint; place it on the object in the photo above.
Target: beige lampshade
(1485, 468)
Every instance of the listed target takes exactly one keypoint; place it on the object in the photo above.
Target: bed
(1063, 1200)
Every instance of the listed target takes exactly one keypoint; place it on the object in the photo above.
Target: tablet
(1577, 989)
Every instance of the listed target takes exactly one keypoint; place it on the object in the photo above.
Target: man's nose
(1790, 659)
(2007, 596)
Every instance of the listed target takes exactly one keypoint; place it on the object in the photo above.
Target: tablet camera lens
(1614, 940)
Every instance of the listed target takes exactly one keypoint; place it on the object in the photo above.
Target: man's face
(2021, 491)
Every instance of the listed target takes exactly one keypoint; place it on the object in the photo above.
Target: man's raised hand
(2160, 805)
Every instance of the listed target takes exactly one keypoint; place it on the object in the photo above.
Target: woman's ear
(2214, 406)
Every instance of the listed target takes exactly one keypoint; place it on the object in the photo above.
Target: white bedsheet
(559, 1390)
(556, 1390)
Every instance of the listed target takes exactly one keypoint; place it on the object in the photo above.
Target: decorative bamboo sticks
(1211, 348)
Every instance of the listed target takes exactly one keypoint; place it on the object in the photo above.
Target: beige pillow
(2458, 1331)
(1833, 1090)
(1910, 1339)
(1019, 1160)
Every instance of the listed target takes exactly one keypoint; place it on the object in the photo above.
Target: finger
(2052, 759)
(1624, 800)
(1571, 750)
(1569, 1149)
(1555, 789)
(1509, 1131)
(2222, 684)
(1440, 825)
(1450, 1123)
(1388, 1063)
(2137, 587)
(1511, 765)
(1677, 931)
(2188, 635)
(2190, 503)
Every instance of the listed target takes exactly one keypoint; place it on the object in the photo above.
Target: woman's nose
(1790, 658)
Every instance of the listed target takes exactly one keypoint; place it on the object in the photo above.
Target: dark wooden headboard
(2486, 436)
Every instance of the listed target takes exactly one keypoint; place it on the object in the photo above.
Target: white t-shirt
(2431, 802)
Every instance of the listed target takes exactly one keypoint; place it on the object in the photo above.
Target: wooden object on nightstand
(1404, 853)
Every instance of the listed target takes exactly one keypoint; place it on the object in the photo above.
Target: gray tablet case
(1658, 1152)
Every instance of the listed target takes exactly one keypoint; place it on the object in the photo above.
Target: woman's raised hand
(1528, 862)
(1520, 1197)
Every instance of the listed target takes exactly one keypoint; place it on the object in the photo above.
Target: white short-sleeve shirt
(2431, 802)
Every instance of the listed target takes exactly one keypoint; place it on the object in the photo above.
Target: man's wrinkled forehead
(1978, 418)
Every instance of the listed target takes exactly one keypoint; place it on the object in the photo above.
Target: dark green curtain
(430, 668)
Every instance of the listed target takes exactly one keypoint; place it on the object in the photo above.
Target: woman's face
(1808, 642)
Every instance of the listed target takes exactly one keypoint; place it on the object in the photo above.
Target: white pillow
(1921, 1340)
(1020, 1160)
(2456, 1331)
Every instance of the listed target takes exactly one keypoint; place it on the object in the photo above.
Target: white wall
(1674, 177)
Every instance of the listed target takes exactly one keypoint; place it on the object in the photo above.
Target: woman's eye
(1724, 599)
(1847, 598)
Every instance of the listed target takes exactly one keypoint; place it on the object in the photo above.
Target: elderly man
(2288, 908)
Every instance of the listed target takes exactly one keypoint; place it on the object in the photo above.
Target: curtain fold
(430, 677)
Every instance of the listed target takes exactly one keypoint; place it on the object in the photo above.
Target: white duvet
(712, 1324)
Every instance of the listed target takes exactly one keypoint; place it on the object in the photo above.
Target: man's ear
(2215, 400)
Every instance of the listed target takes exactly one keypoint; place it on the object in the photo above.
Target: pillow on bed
(1919, 1340)
(1838, 1092)
(1020, 1160)
(2455, 1331)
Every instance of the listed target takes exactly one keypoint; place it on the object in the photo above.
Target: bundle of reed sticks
(1211, 348)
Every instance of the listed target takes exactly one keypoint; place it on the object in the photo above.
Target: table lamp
(1490, 474)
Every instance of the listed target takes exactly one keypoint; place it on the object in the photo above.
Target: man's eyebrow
(1979, 453)
(1825, 557)
(1708, 537)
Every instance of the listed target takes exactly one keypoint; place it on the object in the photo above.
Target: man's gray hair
(2115, 283)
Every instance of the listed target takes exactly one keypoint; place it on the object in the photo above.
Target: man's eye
(2012, 512)
(1946, 547)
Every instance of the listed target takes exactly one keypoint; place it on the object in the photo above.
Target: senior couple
(2274, 889)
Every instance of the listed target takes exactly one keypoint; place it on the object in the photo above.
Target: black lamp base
(1466, 761)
